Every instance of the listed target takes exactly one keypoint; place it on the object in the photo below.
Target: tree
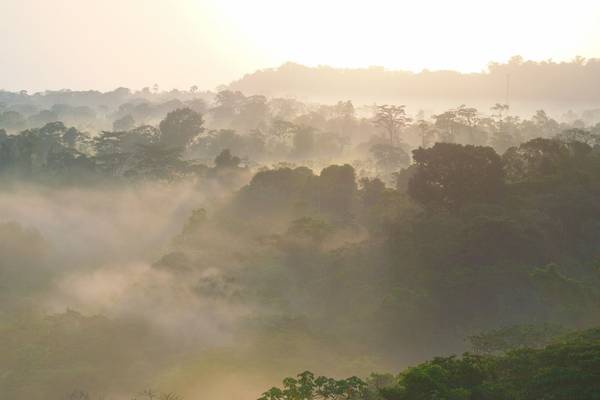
(41, 149)
(181, 127)
(544, 158)
(276, 191)
(156, 161)
(116, 152)
(460, 120)
(426, 132)
(505, 133)
(344, 109)
(567, 369)
(447, 124)
(308, 387)
(545, 126)
(226, 160)
(391, 119)
(449, 378)
(451, 175)
(228, 106)
(579, 135)
(499, 110)
(469, 118)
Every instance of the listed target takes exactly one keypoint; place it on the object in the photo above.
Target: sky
(104, 44)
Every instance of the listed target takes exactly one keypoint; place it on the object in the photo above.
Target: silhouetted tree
(391, 119)
(180, 127)
(451, 175)
(226, 160)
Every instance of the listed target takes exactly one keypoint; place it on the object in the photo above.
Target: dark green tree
(452, 175)
(181, 127)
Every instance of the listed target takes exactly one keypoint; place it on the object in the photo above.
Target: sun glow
(428, 34)
(180, 43)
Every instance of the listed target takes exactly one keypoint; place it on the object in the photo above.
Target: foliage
(569, 370)
(180, 127)
(308, 387)
(325, 263)
(451, 176)
(391, 119)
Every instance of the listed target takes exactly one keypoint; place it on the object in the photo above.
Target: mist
(211, 244)
(316, 201)
(100, 254)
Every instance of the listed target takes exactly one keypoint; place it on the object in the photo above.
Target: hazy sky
(102, 44)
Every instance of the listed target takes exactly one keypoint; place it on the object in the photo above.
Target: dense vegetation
(569, 368)
(241, 241)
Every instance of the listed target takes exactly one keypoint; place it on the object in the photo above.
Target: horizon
(138, 44)
(218, 87)
(200, 199)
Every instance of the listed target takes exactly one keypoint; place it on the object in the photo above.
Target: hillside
(531, 84)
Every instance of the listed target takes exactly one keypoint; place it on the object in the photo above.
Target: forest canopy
(186, 244)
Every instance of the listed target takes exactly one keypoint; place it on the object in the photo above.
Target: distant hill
(531, 83)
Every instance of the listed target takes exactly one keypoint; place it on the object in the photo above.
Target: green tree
(452, 175)
(181, 127)
(308, 387)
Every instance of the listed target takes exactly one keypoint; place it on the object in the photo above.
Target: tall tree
(426, 132)
(180, 127)
(391, 119)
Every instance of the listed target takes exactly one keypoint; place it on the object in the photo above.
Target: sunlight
(463, 35)
(299, 199)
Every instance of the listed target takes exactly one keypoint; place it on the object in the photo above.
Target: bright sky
(103, 44)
